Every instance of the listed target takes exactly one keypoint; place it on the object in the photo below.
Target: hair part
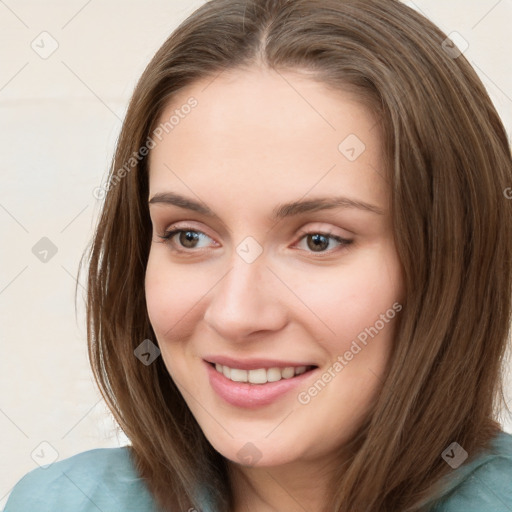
(448, 162)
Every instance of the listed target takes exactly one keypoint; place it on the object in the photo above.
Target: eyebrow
(280, 212)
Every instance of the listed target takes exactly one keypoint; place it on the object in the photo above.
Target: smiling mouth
(261, 375)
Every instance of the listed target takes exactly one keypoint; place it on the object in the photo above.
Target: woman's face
(282, 269)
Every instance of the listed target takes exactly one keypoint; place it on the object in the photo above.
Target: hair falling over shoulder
(448, 162)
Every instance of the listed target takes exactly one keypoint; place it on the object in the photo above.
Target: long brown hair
(448, 162)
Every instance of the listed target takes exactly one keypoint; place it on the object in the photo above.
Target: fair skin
(257, 140)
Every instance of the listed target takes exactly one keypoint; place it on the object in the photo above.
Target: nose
(245, 302)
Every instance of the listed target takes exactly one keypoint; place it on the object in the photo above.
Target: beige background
(59, 119)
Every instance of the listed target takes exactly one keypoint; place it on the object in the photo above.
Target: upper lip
(254, 363)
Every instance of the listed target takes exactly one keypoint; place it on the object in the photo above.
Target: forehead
(259, 131)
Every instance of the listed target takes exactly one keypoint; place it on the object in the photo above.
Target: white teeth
(300, 370)
(238, 375)
(273, 374)
(288, 372)
(261, 375)
(257, 376)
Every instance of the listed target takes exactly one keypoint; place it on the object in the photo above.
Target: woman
(299, 292)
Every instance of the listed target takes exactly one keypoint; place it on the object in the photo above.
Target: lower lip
(251, 396)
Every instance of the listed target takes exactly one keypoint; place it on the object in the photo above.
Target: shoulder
(103, 479)
(485, 484)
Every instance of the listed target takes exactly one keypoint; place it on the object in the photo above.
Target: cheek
(172, 295)
(352, 299)
(173, 299)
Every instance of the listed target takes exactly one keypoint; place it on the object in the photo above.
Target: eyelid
(188, 226)
(326, 231)
(343, 243)
(313, 226)
(170, 232)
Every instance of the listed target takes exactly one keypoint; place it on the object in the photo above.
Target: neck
(293, 487)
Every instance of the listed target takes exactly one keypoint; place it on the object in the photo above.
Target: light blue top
(105, 480)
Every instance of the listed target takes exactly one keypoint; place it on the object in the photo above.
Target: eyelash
(167, 237)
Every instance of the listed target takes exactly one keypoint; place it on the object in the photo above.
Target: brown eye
(317, 242)
(189, 239)
(186, 239)
(322, 242)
